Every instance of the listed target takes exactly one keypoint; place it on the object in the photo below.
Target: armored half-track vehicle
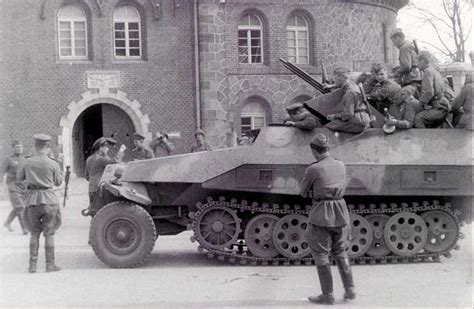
(406, 192)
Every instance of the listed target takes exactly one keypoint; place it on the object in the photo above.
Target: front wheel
(122, 235)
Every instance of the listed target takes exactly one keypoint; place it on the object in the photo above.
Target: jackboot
(344, 267)
(34, 245)
(325, 280)
(49, 250)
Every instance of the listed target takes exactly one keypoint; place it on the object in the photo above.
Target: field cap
(102, 141)
(294, 106)
(138, 136)
(320, 141)
(342, 71)
(397, 31)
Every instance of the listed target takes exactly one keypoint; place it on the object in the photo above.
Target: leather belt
(34, 187)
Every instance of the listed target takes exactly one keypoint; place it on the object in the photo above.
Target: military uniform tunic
(161, 148)
(41, 174)
(203, 147)
(464, 100)
(408, 71)
(354, 117)
(95, 166)
(16, 188)
(405, 112)
(384, 94)
(309, 122)
(141, 154)
(329, 223)
(432, 94)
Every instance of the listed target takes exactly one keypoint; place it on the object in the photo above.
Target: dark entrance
(96, 121)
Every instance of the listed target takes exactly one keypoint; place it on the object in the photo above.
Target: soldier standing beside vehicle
(201, 143)
(42, 214)
(434, 105)
(140, 152)
(161, 145)
(408, 71)
(96, 163)
(328, 221)
(354, 118)
(16, 189)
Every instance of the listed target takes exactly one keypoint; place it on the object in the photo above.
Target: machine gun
(305, 76)
(66, 183)
(415, 45)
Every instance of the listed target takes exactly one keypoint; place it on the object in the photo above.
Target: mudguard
(135, 192)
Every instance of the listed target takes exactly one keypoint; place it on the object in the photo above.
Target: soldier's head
(398, 37)
(296, 111)
(138, 140)
(379, 72)
(17, 147)
(200, 136)
(42, 142)
(103, 145)
(404, 93)
(341, 75)
(319, 146)
(424, 59)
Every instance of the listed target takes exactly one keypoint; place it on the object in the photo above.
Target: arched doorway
(98, 120)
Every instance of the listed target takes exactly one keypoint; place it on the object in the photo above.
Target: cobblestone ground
(176, 275)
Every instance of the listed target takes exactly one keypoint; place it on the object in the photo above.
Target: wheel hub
(121, 235)
(405, 233)
(217, 227)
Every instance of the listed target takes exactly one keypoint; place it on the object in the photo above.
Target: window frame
(248, 30)
(296, 30)
(72, 21)
(126, 30)
(253, 116)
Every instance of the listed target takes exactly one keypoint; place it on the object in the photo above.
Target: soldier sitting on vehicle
(383, 93)
(434, 105)
(140, 152)
(354, 118)
(299, 117)
(161, 145)
(462, 105)
(402, 113)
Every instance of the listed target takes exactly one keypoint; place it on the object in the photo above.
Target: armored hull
(407, 193)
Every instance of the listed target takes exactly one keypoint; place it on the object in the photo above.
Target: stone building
(80, 69)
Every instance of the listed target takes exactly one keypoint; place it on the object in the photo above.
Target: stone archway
(116, 98)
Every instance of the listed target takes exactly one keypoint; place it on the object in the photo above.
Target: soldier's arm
(427, 90)
(405, 61)
(20, 174)
(459, 101)
(169, 147)
(348, 102)
(306, 183)
(309, 123)
(408, 118)
(4, 168)
(57, 175)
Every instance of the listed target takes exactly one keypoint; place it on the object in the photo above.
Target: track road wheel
(217, 227)
(378, 248)
(289, 236)
(361, 236)
(258, 236)
(405, 234)
(122, 234)
(442, 231)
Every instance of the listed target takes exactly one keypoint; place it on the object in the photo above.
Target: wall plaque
(103, 79)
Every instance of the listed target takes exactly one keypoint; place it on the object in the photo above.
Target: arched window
(297, 39)
(250, 34)
(72, 34)
(252, 116)
(127, 36)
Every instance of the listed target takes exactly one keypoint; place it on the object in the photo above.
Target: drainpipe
(197, 70)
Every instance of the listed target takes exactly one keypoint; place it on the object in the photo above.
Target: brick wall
(342, 33)
(37, 86)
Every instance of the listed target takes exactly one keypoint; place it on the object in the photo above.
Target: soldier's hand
(391, 122)
(427, 107)
(331, 117)
(290, 123)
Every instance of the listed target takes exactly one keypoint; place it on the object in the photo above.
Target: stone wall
(341, 33)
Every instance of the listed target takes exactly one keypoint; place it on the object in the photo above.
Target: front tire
(122, 235)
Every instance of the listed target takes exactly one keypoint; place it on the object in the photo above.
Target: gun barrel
(304, 76)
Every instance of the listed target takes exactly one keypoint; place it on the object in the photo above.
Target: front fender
(135, 192)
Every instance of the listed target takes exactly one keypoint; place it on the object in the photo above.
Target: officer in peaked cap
(201, 143)
(140, 152)
(299, 117)
(16, 189)
(328, 221)
(96, 163)
(42, 213)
